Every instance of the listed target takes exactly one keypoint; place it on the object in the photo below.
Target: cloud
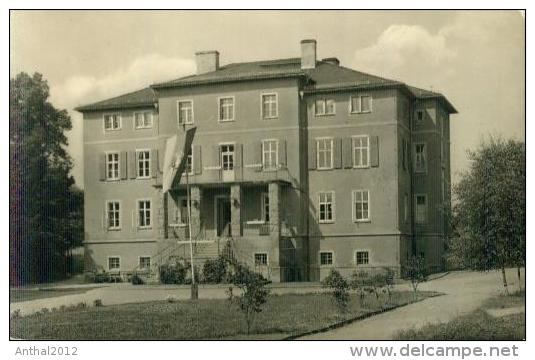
(400, 46)
(82, 89)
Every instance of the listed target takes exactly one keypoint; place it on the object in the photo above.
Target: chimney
(332, 61)
(308, 54)
(207, 61)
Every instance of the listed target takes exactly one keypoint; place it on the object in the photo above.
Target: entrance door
(223, 216)
(227, 162)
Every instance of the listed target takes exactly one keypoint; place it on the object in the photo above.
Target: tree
(415, 272)
(340, 289)
(45, 209)
(489, 215)
(253, 292)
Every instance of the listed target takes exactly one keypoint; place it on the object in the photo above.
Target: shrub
(171, 299)
(137, 280)
(15, 314)
(253, 292)
(174, 273)
(214, 271)
(44, 310)
(102, 277)
(80, 305)
(415, 273)
(97, 303)
(340, 289)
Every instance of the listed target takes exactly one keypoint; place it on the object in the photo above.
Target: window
(270, 151)
(362, 257)
(260, 259)
(326, 207)
(265, 207)
(326, 258)
(420, 158)
(143, 120)
(114, 263)
(361, 104)
(226, 109)
(185, 112)
(144, 262)
(269, 106)
(227, 157)
(112, 166)
(324, 107)
(112, 122)
(421, 209)
(144, 210)
(419, 117)
(361, 151)
(325, 153)
(113, 212)
(361, 205)
(406, 208)
(143, 163)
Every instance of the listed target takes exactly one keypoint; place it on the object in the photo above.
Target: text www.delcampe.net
(415, 350)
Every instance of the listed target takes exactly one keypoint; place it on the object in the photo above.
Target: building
(298, 165)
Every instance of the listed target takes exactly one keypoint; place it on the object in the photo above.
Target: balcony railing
(256, 228)
(247, 173)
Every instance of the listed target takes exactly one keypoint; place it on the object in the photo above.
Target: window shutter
(103, 220)
(337, 144)
(197, 160)
(374, 160)
(347, 155)
(257, 151)
(312, 154)
(160, 162)
(216, 161)
(282, 153)
(238, 163)
(122, 165)
(154, 162)
(102, 166)
(132, 171)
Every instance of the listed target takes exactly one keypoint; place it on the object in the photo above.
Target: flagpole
(194, 294)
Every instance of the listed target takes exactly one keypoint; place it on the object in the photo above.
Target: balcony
(249, 173)
(256, 228)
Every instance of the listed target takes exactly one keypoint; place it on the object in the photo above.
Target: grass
(19, 295)
(477, 325)
(282, 316)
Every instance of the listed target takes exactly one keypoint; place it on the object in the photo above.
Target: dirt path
(465, 291)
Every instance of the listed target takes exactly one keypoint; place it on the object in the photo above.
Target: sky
(475, 58)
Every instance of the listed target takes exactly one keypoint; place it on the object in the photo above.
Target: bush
(137, 280)
(253, 292)
(340, 288)
(102, 278)
(80, 305)
(415, 272)
(97, 303)
(171, 299)
(174, 273)
(214, 271)
(15, 314)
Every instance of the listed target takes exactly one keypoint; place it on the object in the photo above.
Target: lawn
(477, 325)
(18, 295)
(282, 316)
